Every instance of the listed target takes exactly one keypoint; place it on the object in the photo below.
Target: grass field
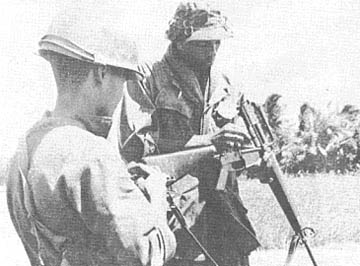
(329, 204)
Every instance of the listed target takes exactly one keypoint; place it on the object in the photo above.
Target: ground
(327, 253)
(344, 254)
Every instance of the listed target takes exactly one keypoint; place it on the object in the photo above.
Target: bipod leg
(175, 210)
(296, 239)
(292, 248)
(309, 252)
(307, 231)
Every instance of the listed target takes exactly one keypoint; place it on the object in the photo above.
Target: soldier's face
(112, 89)
(200, 53)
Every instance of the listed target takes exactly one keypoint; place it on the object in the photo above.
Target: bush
(322, 142)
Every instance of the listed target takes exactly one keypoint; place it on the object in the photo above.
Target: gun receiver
(262, 138)
(178, 164)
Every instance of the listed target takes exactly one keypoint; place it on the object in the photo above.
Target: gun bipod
(300, 238)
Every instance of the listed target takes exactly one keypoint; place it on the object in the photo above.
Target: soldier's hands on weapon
(229, 137)
(261, 169)
(151, 181)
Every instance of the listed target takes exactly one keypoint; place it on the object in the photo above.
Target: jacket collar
(97, 125)
(183, 77)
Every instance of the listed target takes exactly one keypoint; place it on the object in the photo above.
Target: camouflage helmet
(195, 21)
(84, 37)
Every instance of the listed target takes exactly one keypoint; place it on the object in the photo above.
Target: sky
(307, 51)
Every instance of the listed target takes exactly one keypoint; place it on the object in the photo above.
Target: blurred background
(307, 51)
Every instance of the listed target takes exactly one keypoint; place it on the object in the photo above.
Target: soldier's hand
(261, 169)
(258, 172)
(228, 138)
(151, 181)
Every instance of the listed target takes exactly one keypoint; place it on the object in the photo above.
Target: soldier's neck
(70, 106)
(202, 75)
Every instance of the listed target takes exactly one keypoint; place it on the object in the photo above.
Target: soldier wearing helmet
(69, 193)
(183, 102)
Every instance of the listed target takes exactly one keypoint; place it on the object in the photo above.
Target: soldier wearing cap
(183, 102)
(69, 193)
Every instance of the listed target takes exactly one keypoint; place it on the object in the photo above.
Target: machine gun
(262, 138)
(178, 164)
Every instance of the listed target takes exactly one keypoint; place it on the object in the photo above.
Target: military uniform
(69, 193)
(165, 111)
(174, 109)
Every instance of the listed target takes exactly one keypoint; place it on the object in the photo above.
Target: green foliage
(322, 141)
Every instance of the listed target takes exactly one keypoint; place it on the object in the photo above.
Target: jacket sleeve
(132, 132)
(112, 205)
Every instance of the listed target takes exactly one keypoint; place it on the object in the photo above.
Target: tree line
(319, 141)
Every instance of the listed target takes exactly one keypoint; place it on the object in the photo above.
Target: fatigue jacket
(164, 112)
(168, 107)
(73, 203)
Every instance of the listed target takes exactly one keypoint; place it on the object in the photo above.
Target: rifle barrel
(277, 184)
(279, 190)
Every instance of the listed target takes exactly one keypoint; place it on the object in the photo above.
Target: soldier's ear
(99, 73)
